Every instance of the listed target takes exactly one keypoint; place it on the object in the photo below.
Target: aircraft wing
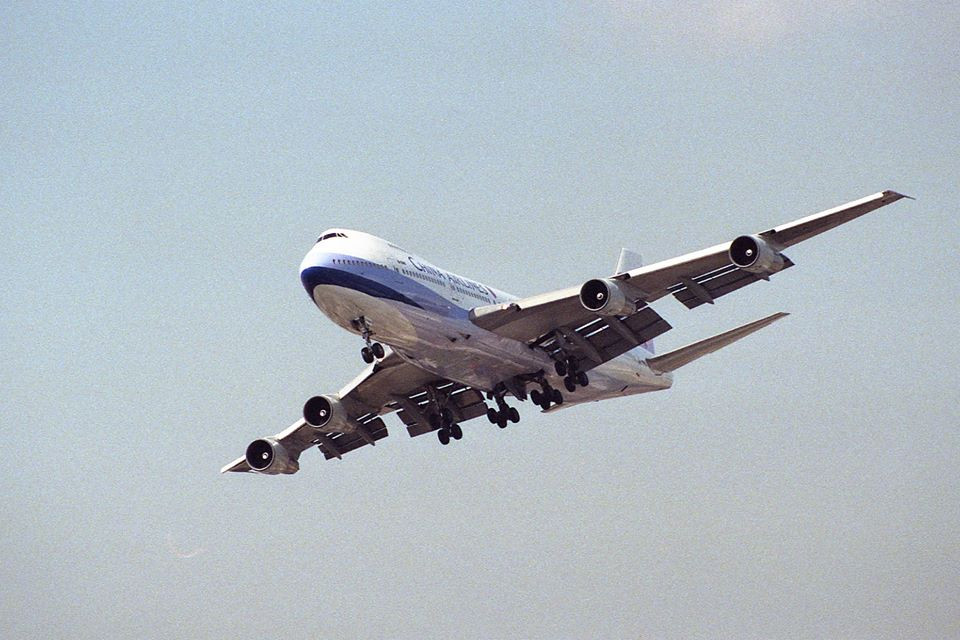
(389, 385)
(558, 319)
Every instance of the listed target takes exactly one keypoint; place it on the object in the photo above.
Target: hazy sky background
(164, 168)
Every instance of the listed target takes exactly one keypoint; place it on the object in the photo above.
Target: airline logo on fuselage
(451, 278)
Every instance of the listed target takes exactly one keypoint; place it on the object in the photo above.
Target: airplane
(442, 349)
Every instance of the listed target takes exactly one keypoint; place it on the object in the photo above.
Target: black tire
(443, 436)
(502, 421)
(377, 349)
(367, 354)
(560, 367)
(582, 379)
(544, 401)
(456, 432)
(536, 396)
(570, 384)
(492, 416)
(556, 396)
(513, 415)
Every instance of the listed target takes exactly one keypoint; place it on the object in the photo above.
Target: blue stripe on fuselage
(337, 270)
(313, 276)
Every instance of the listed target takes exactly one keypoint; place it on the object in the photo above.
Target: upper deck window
(332, 234)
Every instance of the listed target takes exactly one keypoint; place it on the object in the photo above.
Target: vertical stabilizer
(628, 260)
(632, 260)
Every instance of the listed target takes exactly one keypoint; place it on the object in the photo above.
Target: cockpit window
(332, 234)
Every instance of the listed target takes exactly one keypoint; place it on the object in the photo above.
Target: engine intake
(606, 297)
(268, 456)
(327, 414)
(754, 254)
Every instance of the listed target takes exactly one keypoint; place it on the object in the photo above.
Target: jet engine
(327, 414)
(753, 254)
(606, 297)
(268, 456)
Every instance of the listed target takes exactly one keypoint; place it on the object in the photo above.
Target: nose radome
(311, 266)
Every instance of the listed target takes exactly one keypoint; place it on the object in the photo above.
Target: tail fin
(685, 355)
(628, 260)
(631, 260)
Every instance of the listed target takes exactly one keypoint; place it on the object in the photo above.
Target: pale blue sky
(163, 169)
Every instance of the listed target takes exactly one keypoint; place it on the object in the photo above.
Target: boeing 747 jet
(442, 349)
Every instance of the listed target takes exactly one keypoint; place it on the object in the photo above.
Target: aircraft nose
(309, 260)
(312, 266)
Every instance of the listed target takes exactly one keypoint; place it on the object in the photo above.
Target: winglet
(685, 355)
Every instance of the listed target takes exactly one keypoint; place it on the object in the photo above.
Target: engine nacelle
(753, 254)
(327, 414)
(268, 456)
(606, 297)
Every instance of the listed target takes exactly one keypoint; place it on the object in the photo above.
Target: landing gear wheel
(367, 354)
(570, 384)
(513, 415)
(377, 350)
(536, 396)
(560, 367)
(456, 432)
(502, 421)
(556, 396)
(492, 416)
(582, 378)
(443, 436)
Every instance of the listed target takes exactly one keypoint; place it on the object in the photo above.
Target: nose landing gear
(373, 350)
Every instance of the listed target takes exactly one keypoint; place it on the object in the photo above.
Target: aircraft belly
(459, 350)
(387, 322)
(449, 347)
(626, 375)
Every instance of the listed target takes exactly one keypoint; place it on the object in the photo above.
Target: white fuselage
(421, 312)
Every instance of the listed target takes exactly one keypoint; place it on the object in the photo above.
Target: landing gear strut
(547, 396)
(373, 350)
(503, 413)
(569, 368)
(446, 428)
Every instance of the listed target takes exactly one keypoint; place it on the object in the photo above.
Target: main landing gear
(446, 428)
(569, 368)
(503, 413)
(373, 350)
(547, 396)
(442, 420)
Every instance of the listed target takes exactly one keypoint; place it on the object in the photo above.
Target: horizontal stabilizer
(685, 355)
(240, 464)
